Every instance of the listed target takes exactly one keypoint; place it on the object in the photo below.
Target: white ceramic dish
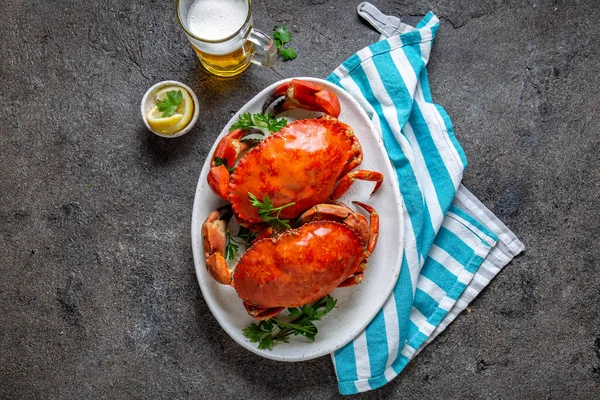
(147, 104)
(356, 305)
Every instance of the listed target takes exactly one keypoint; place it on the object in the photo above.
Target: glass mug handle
(264, 48)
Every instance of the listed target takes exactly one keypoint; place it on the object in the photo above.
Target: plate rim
(198, 253)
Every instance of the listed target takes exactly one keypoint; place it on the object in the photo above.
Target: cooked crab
(308, 162)
(296, 267)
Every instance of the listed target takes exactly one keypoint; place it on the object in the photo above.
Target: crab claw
(261, 313)
(215, 239)
(302, 94)
(228, 150)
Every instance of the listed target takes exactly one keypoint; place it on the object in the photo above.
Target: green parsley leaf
(223, 162)
(282, 36)
(330, 303)
(267, 326)
(254, 201)
(244, 122)
(271, 332)
(273, 124)
(270, 214)
(266, 342)
(175, 96)
(231, 250)
(267, 202)
(265, 119)
(288, 54)
(253, 332)
(169, 104)
(304, 327)
(294, 312)
(308, 310)
(264, 123)
(246, 235)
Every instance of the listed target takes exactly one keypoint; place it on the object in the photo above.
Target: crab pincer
(214, 234)
(228, 151)
(303, 94)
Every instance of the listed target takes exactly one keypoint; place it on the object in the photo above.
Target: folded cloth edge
(508, 245)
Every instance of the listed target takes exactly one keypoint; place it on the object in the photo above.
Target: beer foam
(216, 19)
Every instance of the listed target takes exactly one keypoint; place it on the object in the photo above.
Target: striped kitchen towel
(454, 245)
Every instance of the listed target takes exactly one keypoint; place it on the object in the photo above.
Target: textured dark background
(98, 296)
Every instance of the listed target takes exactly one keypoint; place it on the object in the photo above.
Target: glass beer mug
(222, 35)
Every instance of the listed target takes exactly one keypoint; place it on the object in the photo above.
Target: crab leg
(260, 313)
(342, 213)
(215, 239)
(325, 212)
(302, 94)
(350, 177)
(358, 276)
(357, 154)
(228, 150)
(353, 280)
(266, 232)
(337, 212)
(373, 225)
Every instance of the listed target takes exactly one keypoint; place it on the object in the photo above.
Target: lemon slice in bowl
(167, 125)
(182, 116)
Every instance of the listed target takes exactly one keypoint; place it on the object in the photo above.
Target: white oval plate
(357, 305)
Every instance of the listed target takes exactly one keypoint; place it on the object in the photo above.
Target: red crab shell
(300, 164)
(299, 266)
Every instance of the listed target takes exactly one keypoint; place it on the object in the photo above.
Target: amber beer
(222, 36)
(229, 64)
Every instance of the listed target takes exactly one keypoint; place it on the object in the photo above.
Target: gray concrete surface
(98, 295)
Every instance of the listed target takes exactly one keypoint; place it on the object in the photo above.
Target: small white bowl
(148, 103)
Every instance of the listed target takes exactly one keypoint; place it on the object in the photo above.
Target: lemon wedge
(180, 118)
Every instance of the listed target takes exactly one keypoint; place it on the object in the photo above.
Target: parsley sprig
(283, 36)
(270, 214)
(263, 122)
(223, 162)
(255, 127)
(169, 104)
(244, 237)
(273, 331)
(232, 249)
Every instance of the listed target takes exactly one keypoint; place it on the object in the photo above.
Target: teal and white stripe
(448, 234)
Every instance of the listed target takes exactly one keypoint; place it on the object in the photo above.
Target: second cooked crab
(298, 266)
